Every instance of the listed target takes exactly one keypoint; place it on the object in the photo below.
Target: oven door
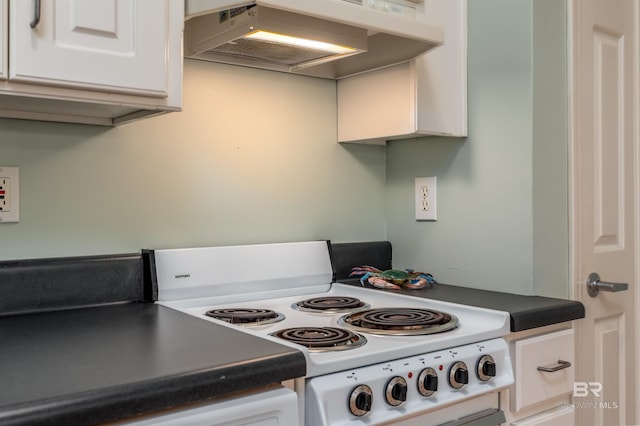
(276, 406)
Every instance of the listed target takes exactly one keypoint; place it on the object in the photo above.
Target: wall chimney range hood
(320, 38)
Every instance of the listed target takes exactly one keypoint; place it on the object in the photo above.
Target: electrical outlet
(9, 194)
(425, 190)
(5, 194)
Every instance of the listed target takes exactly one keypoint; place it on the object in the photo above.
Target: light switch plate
(9, 194)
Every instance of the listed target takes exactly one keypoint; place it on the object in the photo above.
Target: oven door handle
(489, 417)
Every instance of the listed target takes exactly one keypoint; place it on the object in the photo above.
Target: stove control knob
(360, 400)
(486, 368)
(428, 382)
(458, 375)
(396, 391)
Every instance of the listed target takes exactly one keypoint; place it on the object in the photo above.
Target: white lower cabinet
(564, 416)
(544, 372)
(544, 368)
(94, 62)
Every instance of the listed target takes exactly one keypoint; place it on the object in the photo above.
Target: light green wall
(502, 214)
(550, 149)
(252, 158)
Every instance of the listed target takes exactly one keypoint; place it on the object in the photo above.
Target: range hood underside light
(216, 37)
(300, 42)
(283, 56)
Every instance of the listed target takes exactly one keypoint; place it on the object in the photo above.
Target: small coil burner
(399, 321)
(322, 339)
(330, 304)
(246, 316)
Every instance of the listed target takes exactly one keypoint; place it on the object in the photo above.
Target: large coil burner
(322, 339)
(399, 321)
(246, 316)
(330, 304)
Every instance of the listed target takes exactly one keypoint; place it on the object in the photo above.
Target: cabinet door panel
(4, 39)
(108, 45)
(426, 96)
(377, 105)
(534, 386)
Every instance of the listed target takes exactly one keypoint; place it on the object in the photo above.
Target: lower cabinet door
(543, 367)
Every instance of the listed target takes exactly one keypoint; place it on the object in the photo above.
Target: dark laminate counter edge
(526, 312)
(122, 402)
(94, 365)
(539, 317)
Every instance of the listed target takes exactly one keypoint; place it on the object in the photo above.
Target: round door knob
(360, 400)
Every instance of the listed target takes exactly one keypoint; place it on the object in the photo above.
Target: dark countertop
(92, 365)
(526, 312)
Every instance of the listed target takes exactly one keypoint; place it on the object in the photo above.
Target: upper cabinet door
(106, 45)
(4, 39)
(425, 96)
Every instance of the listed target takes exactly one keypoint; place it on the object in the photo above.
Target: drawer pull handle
(561, 365)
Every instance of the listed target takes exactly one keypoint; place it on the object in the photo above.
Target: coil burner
(322, 339)
(246, 316)
(399, 321)
(330, 304)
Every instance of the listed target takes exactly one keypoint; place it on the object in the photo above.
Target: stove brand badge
(182, 276)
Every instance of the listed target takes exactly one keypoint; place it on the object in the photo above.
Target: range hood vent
(246, 36)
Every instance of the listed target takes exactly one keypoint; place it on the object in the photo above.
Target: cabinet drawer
(532, 385)
(559, 417)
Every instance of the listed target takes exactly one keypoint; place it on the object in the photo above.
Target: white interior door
(604, 190)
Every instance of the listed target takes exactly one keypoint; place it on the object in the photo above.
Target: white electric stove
(373, 357)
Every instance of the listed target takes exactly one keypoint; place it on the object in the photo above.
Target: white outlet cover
(9, 194)
(426, 198)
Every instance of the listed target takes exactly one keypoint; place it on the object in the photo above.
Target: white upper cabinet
(96, 62)
(425, 96)
(4, 40)
(110, 45)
